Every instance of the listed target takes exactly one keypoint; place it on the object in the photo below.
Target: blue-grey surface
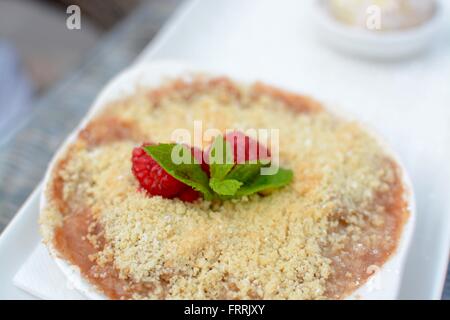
(446, 293)
(24, 157)
(15, 91)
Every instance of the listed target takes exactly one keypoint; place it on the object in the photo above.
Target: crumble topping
(313, 239)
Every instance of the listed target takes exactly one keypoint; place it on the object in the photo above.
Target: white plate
(17, 242)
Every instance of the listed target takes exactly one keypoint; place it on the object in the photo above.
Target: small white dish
(376, 44)
(385, 280)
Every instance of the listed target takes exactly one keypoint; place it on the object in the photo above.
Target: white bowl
(372, 44)
(385, 282)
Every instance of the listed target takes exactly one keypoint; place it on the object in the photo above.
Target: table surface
(28, 151)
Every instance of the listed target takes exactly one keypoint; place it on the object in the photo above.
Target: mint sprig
(189, 173)
(266, 182)
(227, 187)
(220, 158)
(228, 180)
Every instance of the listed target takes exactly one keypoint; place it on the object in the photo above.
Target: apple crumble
(315, 238)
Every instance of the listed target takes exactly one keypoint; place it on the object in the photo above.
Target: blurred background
(36, 50)
(49, 75)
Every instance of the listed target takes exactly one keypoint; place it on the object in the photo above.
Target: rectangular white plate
(17, 242)
(406, 101)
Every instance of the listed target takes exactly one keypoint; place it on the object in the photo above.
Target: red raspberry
(246, 148)
(152, 177)
(189, 195)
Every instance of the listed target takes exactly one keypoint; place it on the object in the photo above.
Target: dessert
(315, 236)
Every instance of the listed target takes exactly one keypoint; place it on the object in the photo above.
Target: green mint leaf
(245, 172)
(266, 182)
(178, 161)
(221, 159)
(227, 187)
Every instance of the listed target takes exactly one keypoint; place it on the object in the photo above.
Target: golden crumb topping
(313, 239)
